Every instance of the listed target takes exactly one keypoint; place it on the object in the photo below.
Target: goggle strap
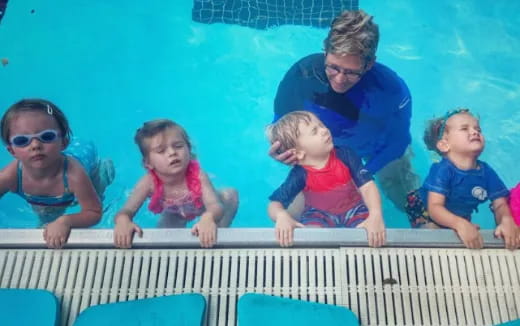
(445, 118)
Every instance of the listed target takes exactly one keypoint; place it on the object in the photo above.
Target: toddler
(337, 190)
(178, 189)
(51, 171)
(457, 184)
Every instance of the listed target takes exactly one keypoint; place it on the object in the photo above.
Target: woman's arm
(398, 138)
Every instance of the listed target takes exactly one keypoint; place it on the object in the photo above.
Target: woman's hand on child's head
(206, 230)
(57, 233)
(509, 232)
(469, 234)
(376, 232)
(284, 229)
(124, 231)
(288, 157)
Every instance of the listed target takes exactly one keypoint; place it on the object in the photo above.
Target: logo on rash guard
(405, 101)
(479, 193)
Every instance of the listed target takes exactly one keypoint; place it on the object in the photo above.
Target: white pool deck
(422, 277)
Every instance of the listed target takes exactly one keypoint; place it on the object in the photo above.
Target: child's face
(168, 153)
(463, 134)
(314, 139)
(35, 154)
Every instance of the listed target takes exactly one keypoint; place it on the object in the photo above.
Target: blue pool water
(110, 65)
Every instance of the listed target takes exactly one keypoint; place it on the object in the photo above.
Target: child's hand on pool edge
(206, 230)
(57, 233)
(124, 231)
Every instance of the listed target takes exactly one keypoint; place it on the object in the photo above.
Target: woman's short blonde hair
(353, 33)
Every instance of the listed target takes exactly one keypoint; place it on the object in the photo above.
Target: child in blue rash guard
(51, 171)
(457, 184)
(338, 191)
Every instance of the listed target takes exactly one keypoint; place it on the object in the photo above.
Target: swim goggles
(445, 118)
(46, 136)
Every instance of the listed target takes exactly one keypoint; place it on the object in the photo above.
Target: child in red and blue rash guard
(338, 191)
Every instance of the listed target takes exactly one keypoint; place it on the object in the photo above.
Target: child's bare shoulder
(8, 177)
(203, 175)
(146, 180)
(205, 178)
(75, 170)
(145, 184)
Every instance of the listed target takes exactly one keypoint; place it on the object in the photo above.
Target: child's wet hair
(436, 127)
(286, 129)
(35, 105)
(155, 127)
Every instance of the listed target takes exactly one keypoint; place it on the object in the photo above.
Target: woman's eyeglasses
(46, 136)
(334, 70)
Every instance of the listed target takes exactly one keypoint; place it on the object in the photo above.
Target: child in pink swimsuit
(178, 189)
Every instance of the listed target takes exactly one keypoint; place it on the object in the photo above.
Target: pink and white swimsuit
(189, 205)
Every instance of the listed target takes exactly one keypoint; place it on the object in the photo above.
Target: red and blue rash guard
(331, 193)
(372, 118)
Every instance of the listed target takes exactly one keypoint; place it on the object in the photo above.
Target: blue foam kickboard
(515, 322)
(259, 309)
(180, 309)
(28, 307)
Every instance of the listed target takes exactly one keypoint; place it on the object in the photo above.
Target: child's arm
(281, 198)
(374, 223)
(206, 228)
(8, 178)
(506, 226)
(467, 231)
(57, 232)
(125, 228)
(284, 223)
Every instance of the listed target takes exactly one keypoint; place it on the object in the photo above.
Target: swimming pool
(112, 66)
